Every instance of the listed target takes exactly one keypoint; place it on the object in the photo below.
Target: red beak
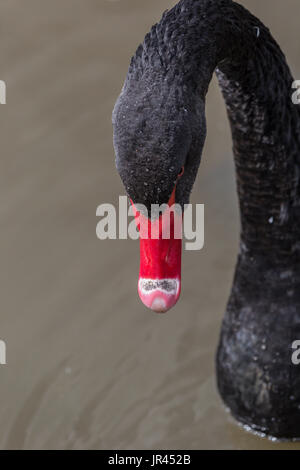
(159, 283)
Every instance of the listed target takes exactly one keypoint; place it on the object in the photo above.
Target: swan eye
(181, 172)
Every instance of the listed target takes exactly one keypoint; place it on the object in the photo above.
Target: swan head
(158, 139)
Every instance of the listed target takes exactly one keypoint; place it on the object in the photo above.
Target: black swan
(159, 132)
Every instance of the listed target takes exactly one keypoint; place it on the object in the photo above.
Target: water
(87, 365)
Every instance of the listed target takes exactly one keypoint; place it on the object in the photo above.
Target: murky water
(87, 365)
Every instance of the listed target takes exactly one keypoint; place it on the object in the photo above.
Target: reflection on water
(87, 365)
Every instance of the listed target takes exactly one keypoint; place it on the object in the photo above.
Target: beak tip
(159, 305)
(159, 301)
